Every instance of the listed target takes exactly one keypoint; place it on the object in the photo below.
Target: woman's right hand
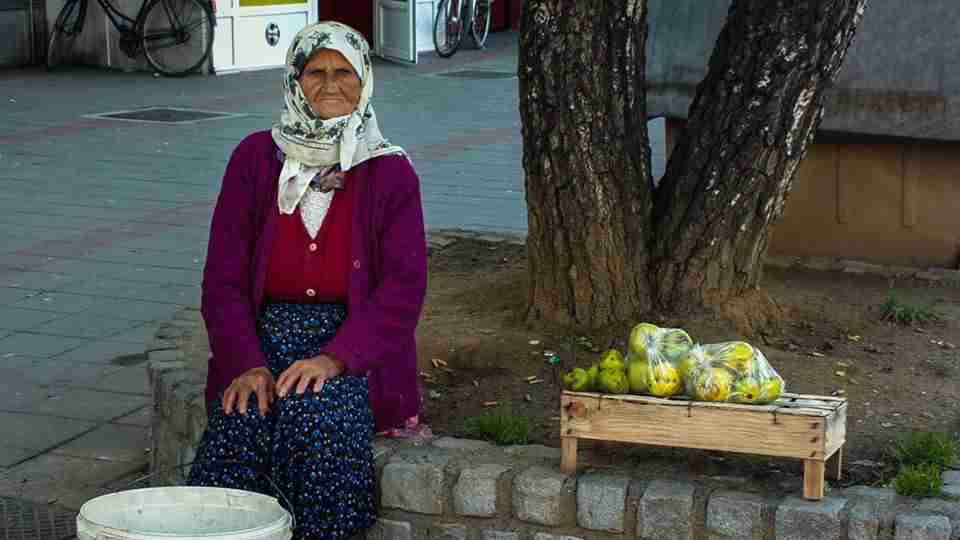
(258, 381)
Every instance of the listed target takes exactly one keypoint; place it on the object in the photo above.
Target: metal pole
(31, 46)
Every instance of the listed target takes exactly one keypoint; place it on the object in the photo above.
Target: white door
(395, 30)
(255, 34)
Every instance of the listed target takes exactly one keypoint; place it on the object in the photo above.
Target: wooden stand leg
(838, 461)
(568, 458)
(813, 482)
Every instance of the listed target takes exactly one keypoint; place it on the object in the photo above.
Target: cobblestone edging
(470, 490)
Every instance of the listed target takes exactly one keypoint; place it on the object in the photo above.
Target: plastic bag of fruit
(732, 372)
(653, 359)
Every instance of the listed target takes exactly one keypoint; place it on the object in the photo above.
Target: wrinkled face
(330, 84)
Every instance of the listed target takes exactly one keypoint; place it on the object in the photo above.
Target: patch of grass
(923, 448)
(918, 481)
(904, 313)
(499, 427)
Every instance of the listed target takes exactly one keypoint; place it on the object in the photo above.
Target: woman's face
(330, 84)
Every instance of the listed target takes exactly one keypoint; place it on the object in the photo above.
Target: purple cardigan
(387, 283)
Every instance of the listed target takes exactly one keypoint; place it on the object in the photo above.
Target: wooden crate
(809, 428)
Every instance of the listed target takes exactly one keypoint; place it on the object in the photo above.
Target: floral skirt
(315, 448)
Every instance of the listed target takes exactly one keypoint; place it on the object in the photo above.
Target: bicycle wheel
(480, 24)
(65, 31)
(448, 28)
(177, 35)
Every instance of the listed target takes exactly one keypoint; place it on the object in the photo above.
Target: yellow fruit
(664, 380)
(637, 376)
(640, 337)
(747, 390)
(743, 366)
(771, 389)
(713, 385)
(674, 344)
(613, 381)
(612, 360)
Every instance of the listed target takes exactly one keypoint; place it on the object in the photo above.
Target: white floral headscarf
(346, 140)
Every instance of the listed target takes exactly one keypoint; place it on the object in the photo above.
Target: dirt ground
(832, 342)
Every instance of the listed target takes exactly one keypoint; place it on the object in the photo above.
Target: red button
(312, 247)
(311, 292)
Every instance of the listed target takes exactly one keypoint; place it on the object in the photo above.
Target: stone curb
(471, 490)
(439, 239)
(943, 276)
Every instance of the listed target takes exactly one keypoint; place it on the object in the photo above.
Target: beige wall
(890, 202)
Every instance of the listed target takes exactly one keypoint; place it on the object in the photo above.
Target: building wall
(901, 76)
(20, 33)
(885, 202)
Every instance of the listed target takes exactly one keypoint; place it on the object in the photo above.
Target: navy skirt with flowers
(317, 449)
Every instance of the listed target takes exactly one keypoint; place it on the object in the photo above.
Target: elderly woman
(314, 282)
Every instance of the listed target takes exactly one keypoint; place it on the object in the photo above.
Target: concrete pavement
(105, 229)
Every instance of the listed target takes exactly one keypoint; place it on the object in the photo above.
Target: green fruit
(747, 390)
(771, 389)
(579, 380)
(612, 360)
(674, 344)
(688, 365)
(593, 374)
(640, 337)
(638, 374)
(613, 381)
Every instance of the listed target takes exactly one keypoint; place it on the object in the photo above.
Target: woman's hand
(302, 374)
(258, 381)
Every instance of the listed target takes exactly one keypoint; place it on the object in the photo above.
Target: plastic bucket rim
(285, 521)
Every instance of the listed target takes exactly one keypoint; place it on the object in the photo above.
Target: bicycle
(176, 36)
(449, 24)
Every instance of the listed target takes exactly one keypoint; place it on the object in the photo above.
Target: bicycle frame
(120, 20)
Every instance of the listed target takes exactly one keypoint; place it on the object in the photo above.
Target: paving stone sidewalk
(105, 228)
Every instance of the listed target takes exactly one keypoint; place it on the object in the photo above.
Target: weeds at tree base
(899, 312)
(499, 427)
(919, 481)
(923, 448)
(922, 458)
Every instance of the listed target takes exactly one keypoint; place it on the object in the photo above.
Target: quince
(613, 381)
(612, 360)
(664, 380)
(713, 384)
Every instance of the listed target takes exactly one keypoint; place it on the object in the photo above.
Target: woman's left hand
(302, 374)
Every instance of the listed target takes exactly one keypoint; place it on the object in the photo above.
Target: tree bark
(586, 159)
(749, 126)
(603, 245)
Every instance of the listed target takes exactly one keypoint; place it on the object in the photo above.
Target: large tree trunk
(603, 246)
(749, 126)
(586, 159)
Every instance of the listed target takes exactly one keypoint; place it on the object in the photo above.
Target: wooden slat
(764, 430)
(788, 404)
(818, 398)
